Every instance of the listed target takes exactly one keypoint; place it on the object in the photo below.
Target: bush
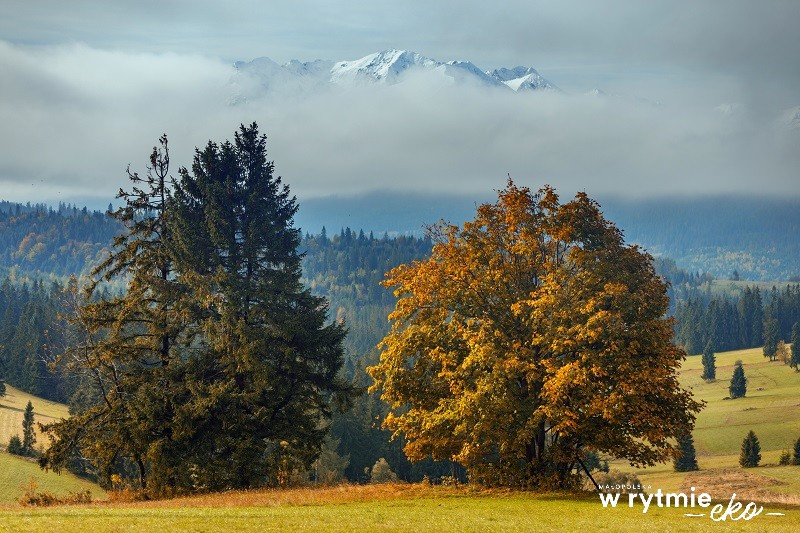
(32, 498)
(786, 458)
(382, 472)
(15, 445)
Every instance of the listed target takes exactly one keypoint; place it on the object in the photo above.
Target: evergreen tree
(794, 361)
(15, 445)
(751, 451)
(127, 347)
(2, 388)
(771, 333)
(686, 460)
(709, 363)
(738, 386)
(267, 369)
(28, 434)
(796, 455)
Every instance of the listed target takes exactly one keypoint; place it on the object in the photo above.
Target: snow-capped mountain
(387, 67)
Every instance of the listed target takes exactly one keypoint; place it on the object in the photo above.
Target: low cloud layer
(74, 117)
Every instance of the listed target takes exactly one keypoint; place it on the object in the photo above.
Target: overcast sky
(703, 94)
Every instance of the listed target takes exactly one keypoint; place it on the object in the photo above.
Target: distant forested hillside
(45, 241)
(755, 236)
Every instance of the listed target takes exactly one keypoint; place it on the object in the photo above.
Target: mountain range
(388, 67)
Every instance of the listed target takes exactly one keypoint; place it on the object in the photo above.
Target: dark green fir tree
(751, 451)
(686, 460)
(738, 386)
(28, 433)
(794, 361)
(709, 363)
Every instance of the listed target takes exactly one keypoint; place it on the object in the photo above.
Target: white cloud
(74, 117)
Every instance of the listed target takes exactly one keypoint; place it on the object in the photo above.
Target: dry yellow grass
(12, 409)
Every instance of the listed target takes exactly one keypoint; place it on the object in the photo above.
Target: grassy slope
(383, 508)
(16, 472)
(12, 408)
(771, 409)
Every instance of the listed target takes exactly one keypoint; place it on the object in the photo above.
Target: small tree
(15, 445)
(709, 363)
(738, 387)
(771, 333)
(785, 459)
(382, 472)
(2, 388)
(782, 353)
(751, 451)
(28, 435)
(686, 460)
(796, 458)
(794, 362)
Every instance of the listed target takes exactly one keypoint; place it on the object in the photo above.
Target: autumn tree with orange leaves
(532, 336)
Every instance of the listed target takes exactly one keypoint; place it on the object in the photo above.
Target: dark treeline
(732, 323)
(29, 328)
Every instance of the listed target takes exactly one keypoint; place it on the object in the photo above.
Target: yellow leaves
(532, 319)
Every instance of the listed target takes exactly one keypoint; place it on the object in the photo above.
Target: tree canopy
(532, 336)
(216, 368)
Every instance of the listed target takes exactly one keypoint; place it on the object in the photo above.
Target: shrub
(786, 458)
(15, 445)
(382, 472)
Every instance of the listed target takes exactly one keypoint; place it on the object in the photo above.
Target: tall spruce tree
(794, 361)
(28, 434)
(709, 363)
(751, 451)
(738, 386)
(686, 460)
(266, 370)
(796, 454)
(771, 337)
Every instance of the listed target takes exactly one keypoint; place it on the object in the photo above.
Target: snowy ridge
(386, 67)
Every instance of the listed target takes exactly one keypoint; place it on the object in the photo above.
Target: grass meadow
(771, 409)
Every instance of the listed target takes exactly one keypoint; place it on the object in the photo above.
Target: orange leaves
(531, 332)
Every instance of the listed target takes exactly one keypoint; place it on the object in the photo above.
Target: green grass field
(16, 472)
(770, 409)
(382, 508)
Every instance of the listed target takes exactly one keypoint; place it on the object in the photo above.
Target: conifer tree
(738, 386)
(686, 460)
(794, 361)
(126, 347)
(771, 334)
(796, 455)
(709, 363)
(28, 434)
(751, 451)
(273, 358)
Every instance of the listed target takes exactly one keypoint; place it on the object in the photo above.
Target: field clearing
(16, 472)
(12, 409)
(771, 409)
(380, 508)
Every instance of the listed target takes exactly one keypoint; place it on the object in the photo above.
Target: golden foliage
(532, 334)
